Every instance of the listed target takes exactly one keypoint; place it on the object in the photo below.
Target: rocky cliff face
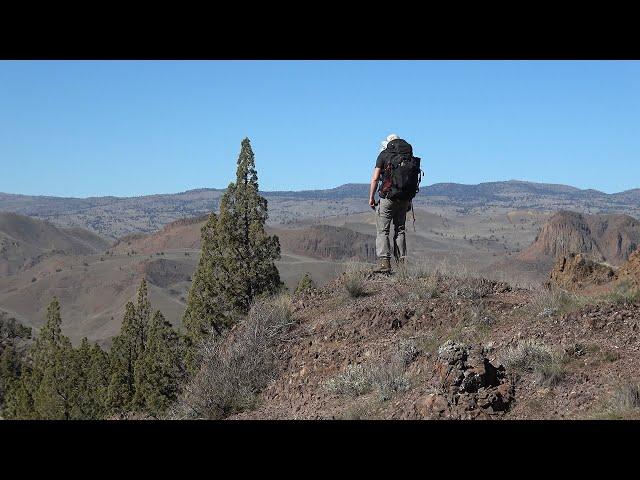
(630, 271)
(605, 238)
(575, 272)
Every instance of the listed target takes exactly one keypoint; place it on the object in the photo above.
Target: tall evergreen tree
(238, 258)
(19, 398)
(10, 366)
(159, 371)
(92, 380)
(205, 308)
(53, 371)
(143, 312)
(58, 381)
(125, 350)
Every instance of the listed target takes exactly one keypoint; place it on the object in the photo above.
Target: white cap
(383, 144)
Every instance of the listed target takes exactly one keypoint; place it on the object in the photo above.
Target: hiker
(399, 174)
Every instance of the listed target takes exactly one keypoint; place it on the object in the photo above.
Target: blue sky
(93, 128)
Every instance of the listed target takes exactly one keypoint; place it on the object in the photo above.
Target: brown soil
(455, 367)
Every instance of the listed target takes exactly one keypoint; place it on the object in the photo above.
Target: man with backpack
(399, 175)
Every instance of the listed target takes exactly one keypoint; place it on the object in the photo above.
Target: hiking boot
(384, 266)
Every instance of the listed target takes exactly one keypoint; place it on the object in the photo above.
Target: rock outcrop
(470, 386)
(605, 238)
(630, 271)
(577, 271)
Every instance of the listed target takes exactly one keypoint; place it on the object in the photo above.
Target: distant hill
(608, 238)
(315, 241)
(183, 233)
(325, 241)
(115, 217)
(25, 241)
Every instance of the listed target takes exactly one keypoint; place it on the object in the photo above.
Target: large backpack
(401, 171)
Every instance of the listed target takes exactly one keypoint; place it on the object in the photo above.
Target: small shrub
(555, 301)
(626, 397)
(609, 355)
(33, 279)
(354, 381)
(407, 351)
(238, 365)
(551, 374)
(531, 356)
(354, 279)
(413, 270)
(624, 293)
(480, 315)
(305, 284)
(388, 377)
(424, 288)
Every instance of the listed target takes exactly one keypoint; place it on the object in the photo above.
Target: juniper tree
(125, 350)
(237, 263)
(159, 371)
(305, 283)
(128, 346)
(92, 380)
(53, 371)
(204, 304)
(19, 398)
(10, 368)
(143, 312)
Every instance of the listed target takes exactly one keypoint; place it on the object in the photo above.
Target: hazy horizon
(305, 189)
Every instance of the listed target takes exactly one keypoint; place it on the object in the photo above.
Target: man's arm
(374, 184)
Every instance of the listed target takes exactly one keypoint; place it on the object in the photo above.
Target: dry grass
(623, 404)
(354, 381)
(548, 302)
(626, 397)
(555, 301)
(238, 366)
(355, 276)
(532, 356)
(623, 293)
(387, 376)
(480, 315)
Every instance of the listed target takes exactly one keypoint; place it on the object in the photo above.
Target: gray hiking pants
(387, 211)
